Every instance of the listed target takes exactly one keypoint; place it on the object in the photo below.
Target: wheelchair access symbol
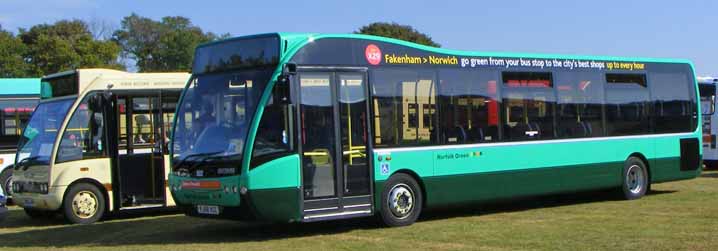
(384, 168)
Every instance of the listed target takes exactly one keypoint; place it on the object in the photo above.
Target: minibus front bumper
(47, 202)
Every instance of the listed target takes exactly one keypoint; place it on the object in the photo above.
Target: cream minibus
(96, 144)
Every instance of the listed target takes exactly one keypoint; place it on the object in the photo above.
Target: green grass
(675, 216)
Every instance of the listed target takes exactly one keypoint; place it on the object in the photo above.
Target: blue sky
(659, 28)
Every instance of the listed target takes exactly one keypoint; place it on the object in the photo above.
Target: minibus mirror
(95, 102)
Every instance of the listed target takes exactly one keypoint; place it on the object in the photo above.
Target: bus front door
(140, 158)
(334, 141)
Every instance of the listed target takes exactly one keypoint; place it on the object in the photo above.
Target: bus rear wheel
(401, 201)
(635, 179)
(83, 204)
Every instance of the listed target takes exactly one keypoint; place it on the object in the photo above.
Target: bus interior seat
(491, 133)
(476, 134)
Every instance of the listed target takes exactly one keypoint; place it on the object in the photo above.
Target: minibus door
(334, 136)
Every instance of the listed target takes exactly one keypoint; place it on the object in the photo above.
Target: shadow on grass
(178, 229)
(173, 229)
(18, 219)
(710, 175)
(529, 203)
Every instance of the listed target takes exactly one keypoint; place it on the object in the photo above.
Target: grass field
(675, 216)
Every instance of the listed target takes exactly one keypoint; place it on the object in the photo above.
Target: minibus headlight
(234, 189)
(226, 189)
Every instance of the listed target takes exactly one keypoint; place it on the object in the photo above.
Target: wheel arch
(418, 180)
(105, 193)
(646, 162)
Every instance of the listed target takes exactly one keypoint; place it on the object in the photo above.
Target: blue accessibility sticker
(384, 168)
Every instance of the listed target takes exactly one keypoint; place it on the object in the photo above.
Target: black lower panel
(690, 154)
(141, 178)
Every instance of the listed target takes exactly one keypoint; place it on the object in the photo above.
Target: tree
(12, 61)
(66, 45)
(398, 31)
(166, 45)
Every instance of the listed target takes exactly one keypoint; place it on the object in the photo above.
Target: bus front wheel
(635, 179)
(83, 204)
(6, 181)
(401, 201)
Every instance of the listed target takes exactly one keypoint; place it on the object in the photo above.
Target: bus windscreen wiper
(25, 163)
(194, 156)
(207, 159)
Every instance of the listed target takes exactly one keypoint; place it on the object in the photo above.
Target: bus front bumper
(47, 202)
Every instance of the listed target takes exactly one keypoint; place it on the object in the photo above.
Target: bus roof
(707, 80)
(292, 42)
(103, 79)
(19, 86)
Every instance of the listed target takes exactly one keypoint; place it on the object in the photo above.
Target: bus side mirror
(289, 69)
(281, 92)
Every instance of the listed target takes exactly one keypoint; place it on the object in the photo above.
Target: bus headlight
(226, 189)
(234, 189)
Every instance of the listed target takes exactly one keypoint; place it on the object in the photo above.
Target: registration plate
(28, 202)
(204, 209)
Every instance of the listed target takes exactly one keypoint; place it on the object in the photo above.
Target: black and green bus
(307, 127)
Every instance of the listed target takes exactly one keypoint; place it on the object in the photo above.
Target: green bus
(308, 127)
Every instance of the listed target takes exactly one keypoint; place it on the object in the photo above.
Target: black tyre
(635, 179)
(6, 181)
(401, 201)
(39, 214)
(83, 204)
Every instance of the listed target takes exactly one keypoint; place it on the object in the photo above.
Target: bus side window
(274, 136)
(627, 109)
(580, 101)
(404, 107)
(529, 101)
(169, 103)
(84, 135)
(467, 106)
(673, 100)
(122, 124)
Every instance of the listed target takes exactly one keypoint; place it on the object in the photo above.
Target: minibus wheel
(635, 179)
(6, 181)
(83, 204)
(401, 201)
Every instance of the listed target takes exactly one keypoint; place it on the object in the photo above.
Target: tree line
(141, 43)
